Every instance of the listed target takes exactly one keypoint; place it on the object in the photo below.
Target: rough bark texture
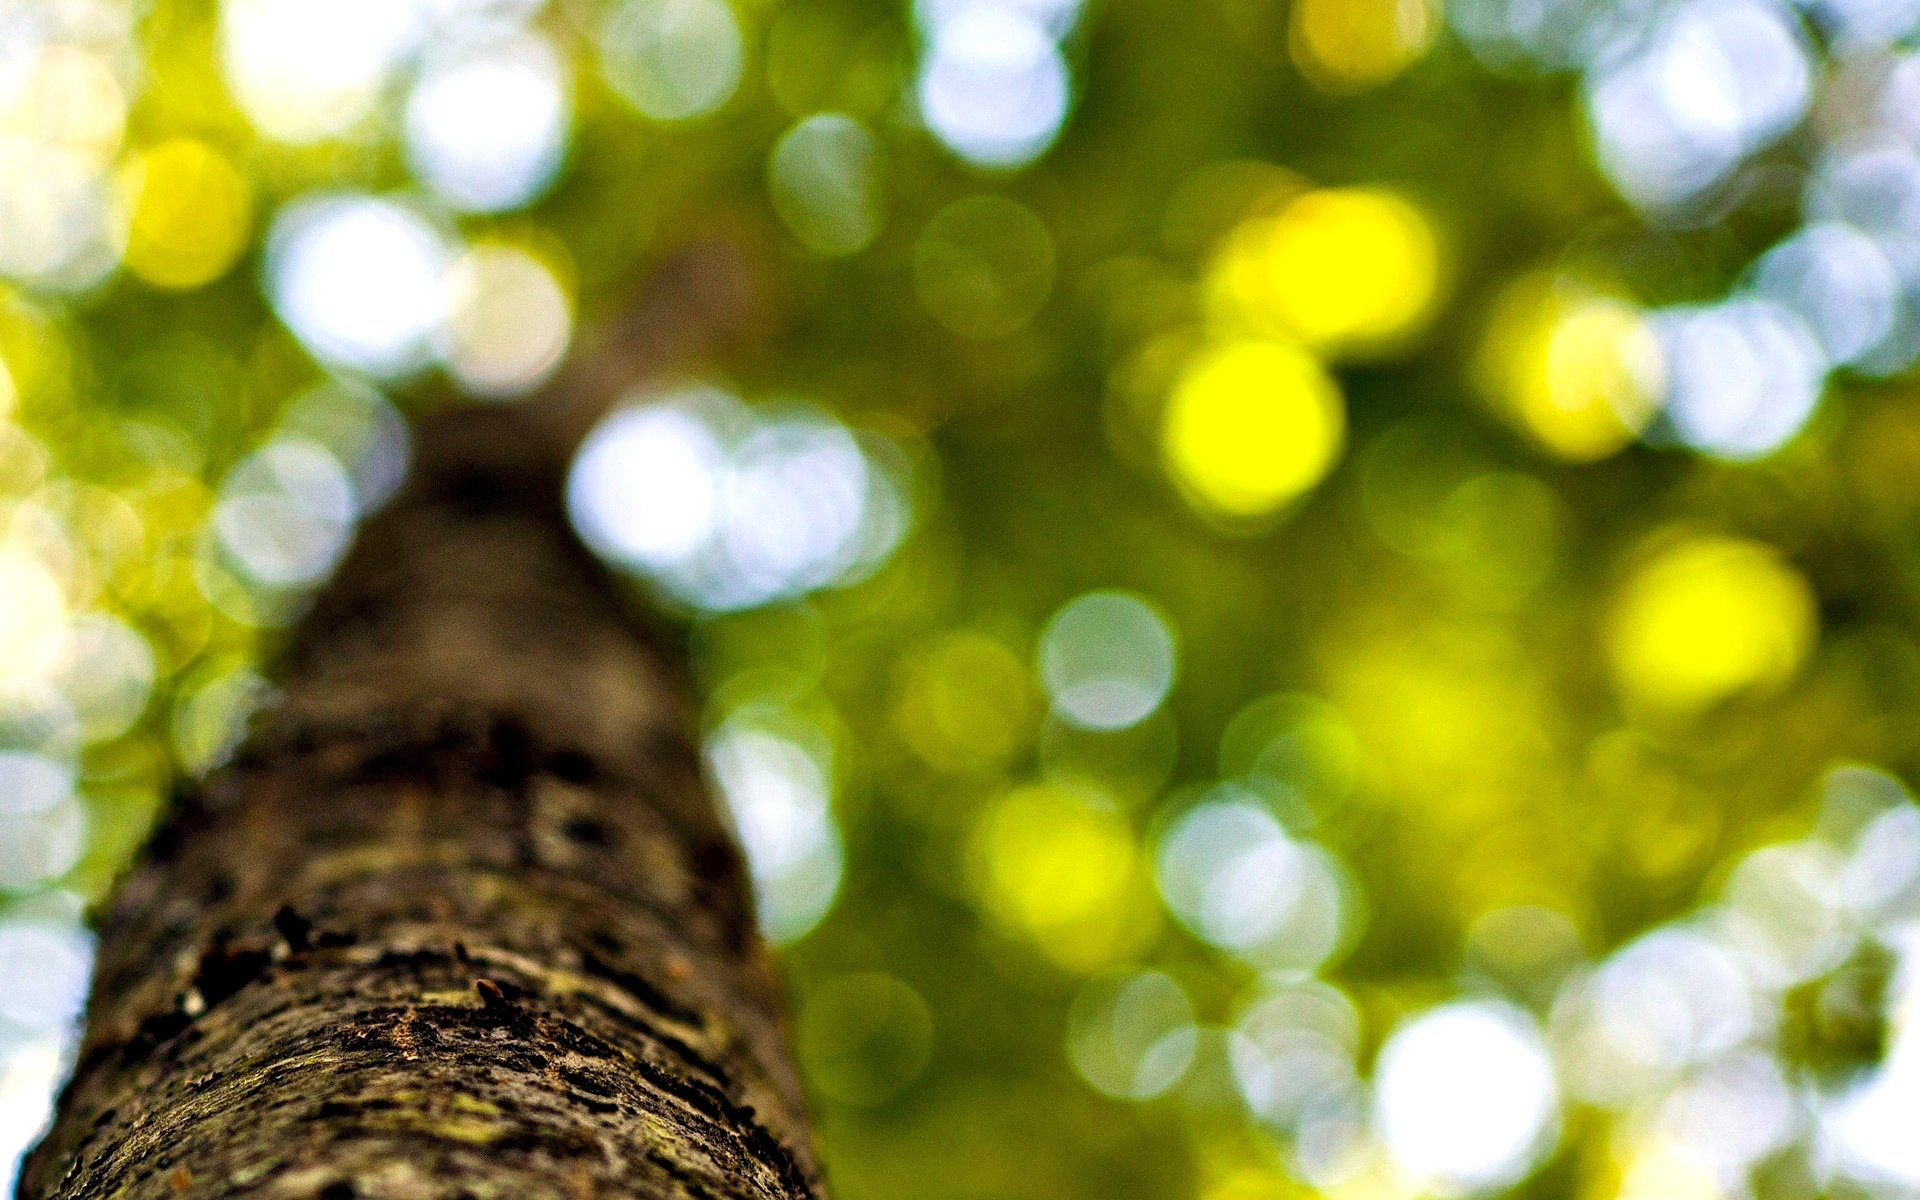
(460, 918)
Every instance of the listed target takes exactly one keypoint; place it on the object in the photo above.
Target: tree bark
(460, 918)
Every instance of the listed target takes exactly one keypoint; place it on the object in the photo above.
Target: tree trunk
(460, 919)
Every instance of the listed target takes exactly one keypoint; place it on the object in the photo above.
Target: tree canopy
(1290, 597)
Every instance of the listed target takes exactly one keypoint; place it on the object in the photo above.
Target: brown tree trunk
(460, 919)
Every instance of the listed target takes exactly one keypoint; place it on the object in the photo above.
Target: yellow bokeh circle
(1053, 865)
(1348, 45)
(1578, 373)
(1706, 619)
(33, 620)
(1339, 269)
(190, 212)
(1252, 424)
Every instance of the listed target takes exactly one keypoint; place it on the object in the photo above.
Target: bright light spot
(109, 676)
(30, 1076)
(191, 211)
(33, 620)
(984, 266)
(62, 115)
(1663, 1167)
(1055, 16)
(1884, 864)
(645, 489)
(1742, 376)
(1872, 186)
(672, 59)
(45, 962)
(1728, 1115)
(479, 20)
(1132, 1036)
(1784, 912)
(993, 87)
(57, 224)
(486, 125)
(1335, 1148)
(63, 96)
(779, 793)
(305, 71)
(1346, 45)
(359, 427)
(1231, 874)
(42, 828)
(1641, 143)
(1292, 1049)
(1107, 660)
(1899, 105)
(1867, 1130)
(1874, 189)
(507, 321)
(1464, 1095)
(1839, 282)
(285, 512)
(1251, 425)
(824, 179)
(1063, 871)
(1579, 373)
(1706, 619)
(1341, 269)
(358, 281)
(795, 504)
(1715, 81)
(1662, 1003)
(726, 507)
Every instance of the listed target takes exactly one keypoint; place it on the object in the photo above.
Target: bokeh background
(1309, 597)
